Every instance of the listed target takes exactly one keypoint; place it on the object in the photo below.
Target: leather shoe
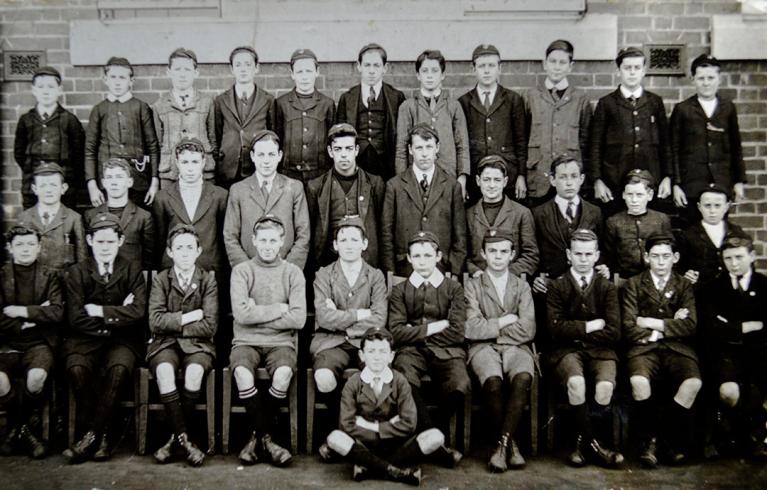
(165, 453)
(278, 455)
(36, 448)
(449, 457)
(248, 455)
(103, 453)
(606, 457)
(410, 476)
(497, 463)
(82, 449)
(9, 443)
(515, 460)
(194, 456)
(576, 457)
(326, 454)
(648, 456)
(359, 473)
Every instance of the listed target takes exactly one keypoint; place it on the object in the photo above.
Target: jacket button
(636, 128)
(43, 140)
(487, 120)
(636, 113)
(433, 118)
(306, 129)
(423, 219)
(489, 138)
(298, 167)
(304, 146)
(45, 125)
(303, 113)
(636, 145)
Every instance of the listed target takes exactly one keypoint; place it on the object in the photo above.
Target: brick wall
(44, 25)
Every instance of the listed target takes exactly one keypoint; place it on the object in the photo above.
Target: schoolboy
(433, 107)
(705, 138)
(424, 197)
(302, 119)
(372, 107)
(500, 325)
(345, 190)
(267, 192)
(183, 318)
(377, 427)
(183, 112)
(106, 312)
(32, 310)
(349, 299)
(626, 231)
(136, 223)
(629, 130)
(558, 117)
(659, 326)
(427, 315)
(496, 211)
(240, 113)
(738, 343)
(584, 323)
(122, 126)
(49, 133)
(62, 238)
(269, 307)
(495, 120)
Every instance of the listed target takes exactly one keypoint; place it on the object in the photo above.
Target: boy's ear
(364, 244)
(569, 255)
(651, 193)
(676, 257)
(439, 256)
(34, 188)
(121, 241)
(169, 252)
(330, 152)
(130, 182)
(597, 255)
(361, 355)
(89, 239)
(646, 257)
(64, 187)
(335, 246)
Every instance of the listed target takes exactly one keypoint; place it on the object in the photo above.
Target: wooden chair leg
(467, 401)
(454, 429)
(226, 409)
(141, 396)
(534, 416)
(310, 397)
(210, 410)
(616, 416)
(48, 402)
(71, 416)
(550, 415)
(293, 408)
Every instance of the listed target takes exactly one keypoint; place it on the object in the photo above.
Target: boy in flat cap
(427, 315)
(372, 107)
(584, 324)
(500, 325)
(240, 113)
(32, 311)
(269, 307)
(106, 312)
(433, 107)
(629, 130)
(183, 112)
(49, 133)
(267, 192)
(423, 197)
(122, 126)
(345, 190)
(349, 299)
(659, 326)
(62, 238)
(495, 119)
(558, 117)
(302, 119)
(705, 139)
(498, 212)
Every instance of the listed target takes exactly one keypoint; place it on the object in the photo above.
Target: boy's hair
(372, 47)
(423, 237)
(561, 45)
(341, 130)
(269, 222)
(424, 131)
(189, 144)
(21, 229)
(660, 239)
(47, 71)
(264, 135)
(629, 52)
(737, 240)
(583, 235)
(116, 163)
(182, 53)
(564, 159)
(702, 61)
(492, 161)
(182, 229)
(243, 49)
(117, 61)
(376, 333)
(639, 176)
(430, 54)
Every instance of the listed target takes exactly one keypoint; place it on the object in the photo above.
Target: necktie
(45, 116)
(244, 99)
(184, 283)
(377, 385)
(424, 183)
(739, 286)
(570, 212)
(486, 100)
(371, 97)
(264, 190)
(661, 284)
(46, 218)
(183, 100)
(555, 93)
(106, 275)
(633, 101)
(584, 284)
(432, 103)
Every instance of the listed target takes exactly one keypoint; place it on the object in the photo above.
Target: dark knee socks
(408, 455)
(424, 421)
(188, 400)
(518, 399)
(646, 418)
(112, 384)
(492, 394)
(175, 411)
(449, 404)
(360, 455)
(81, 380)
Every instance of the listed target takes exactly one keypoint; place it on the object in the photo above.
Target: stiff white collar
(420, 173)
(560, 85)
(627, 93)
(435, 279)
(577, 276)
(367, 375)
(122, 99)
(745, 280)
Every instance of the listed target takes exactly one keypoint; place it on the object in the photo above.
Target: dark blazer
(625, 237)
(348, 110)
(303, 130)
(706, 150)
(369, 205)
(169, 210)
(497, 131)
(47, 287)
(553, 239)
(62, 241)
(728, 308)
(124, 325)
(138, 228)
(697, 252)
(569, 308)
(406, 212)
(641, 298)
(233, 135)
(625, 137)
(168, 302)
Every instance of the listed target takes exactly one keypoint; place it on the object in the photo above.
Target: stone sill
(739, 37)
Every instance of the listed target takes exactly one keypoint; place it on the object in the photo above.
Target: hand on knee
(688, 390)
(430, 440)
(729, 393)
(326, 380)
(281, 378)
(603, 393)
(36, 380)
(244, 378)
(193, 377)
(5, 384)
(576, 390)
(640, 388)
(340, 442)
(166, 378)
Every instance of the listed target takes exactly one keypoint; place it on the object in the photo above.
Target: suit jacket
(348, 109)
(303, 130)
(704, 149)
(247, 204)
(624, 137)
(728, 308)
(407, 212)
(697, 252)
(569, 308)
(47, 287)
(139, 232)
(370, 205)
(121, 324)
(553, 239)
(625, 237)
(169, 210)
(513, 218)
(484, 308)
(62, 241)
(168, 302)
(641, 298)
(233, 135)
(335, 326)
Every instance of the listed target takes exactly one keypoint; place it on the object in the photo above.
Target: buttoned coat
(139, 232)
(302, 125)
(727, 309)
(62, 241)
(47, 319)
(697, 252)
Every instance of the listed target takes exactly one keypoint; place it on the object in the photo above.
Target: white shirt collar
(627, 93)
(435, 279)
(269, 181)
(560, 85)
(46, 110)
(436, 93)
(247, 90)
(109, 269)
(183, 277)
(481, 92)
(656, 279)
(122, 99)
(351, 271)
(577, 276)
(51, 210)
(367, 375)
(419, 173)
(714, 232)
(193, 185)
(745, 281)
(188, 94)
(499, 283)
(709, 106)
(366, 90)
(562, 204)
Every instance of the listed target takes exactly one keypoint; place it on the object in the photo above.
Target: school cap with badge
(190, 144)
(45, 168)
(493, 235)
(262, 134)
(497, 161)
(425, 131)
(423, 237)
(659, 238)
(352, 220)
(378, 333)
(118, 61)
(100, 221)
(639, 173)
(714, 188)
(485, 50)
(47, 71)
(302, 54)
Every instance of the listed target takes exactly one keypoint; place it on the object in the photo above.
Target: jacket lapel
(174, 192)
(412, 188)
(230, 103)
(278, 187)
(352, 101)
(498, 101)
(492, 293)
(365, 194)
(437, 188)
(255, 192)
(385, 392)
(58, 220)
(206, 198)
(649, 285)
(257, 105)
(128, 214)
(476, 103)
(324, 200)
(9, 284)
(553, 221)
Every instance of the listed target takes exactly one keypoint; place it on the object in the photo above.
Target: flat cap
(628, 52)
(117, 162)
(714, 188)
(484, 50)
(423, 236)
(303, 54)
(48, 168)
(368, 47)
(22, 228)
(184, 53)
(423, 129)
(704, 60)
(493, 235)
(268, 218)
(492, 160)
(104, 220)
(639, 173)
(47, 71)
(658, 237)
(378, 333)
(341, 129)
(118, 61)
(350, 220)
(189, 144)
(264, 133)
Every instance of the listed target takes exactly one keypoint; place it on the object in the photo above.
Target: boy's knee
(193, 377)
(166, 377)
(36, 380)
(729, 393)
(281, 378)
(326, 380)
(576, 390)
(340, 442)
(603, 392)
(688, 391)
(243, 377)
(640, 388)
(5, 384)
(430, 440)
